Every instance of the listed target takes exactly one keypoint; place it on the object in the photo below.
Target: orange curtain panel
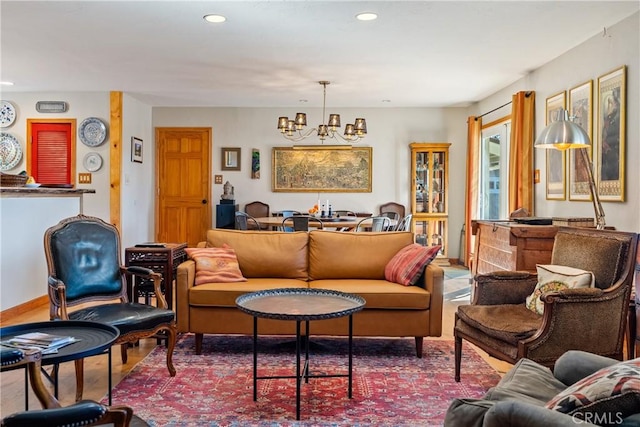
(521, 190)
(474, 127)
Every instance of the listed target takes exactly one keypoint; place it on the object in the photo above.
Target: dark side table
(162, 258)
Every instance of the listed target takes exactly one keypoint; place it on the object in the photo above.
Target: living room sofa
(341, 261)
(583, 389)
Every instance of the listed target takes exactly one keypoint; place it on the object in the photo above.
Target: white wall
(595, 57)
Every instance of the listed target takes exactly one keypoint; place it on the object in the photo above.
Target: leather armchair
(592, 319)
(84, 413)
(84, 263)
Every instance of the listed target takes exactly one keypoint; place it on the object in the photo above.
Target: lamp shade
(563, 134)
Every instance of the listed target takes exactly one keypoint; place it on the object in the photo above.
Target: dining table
(343, 223)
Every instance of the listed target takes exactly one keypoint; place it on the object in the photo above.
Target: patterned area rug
(391, 387)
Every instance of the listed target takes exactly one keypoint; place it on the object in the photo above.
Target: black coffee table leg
(255, 358)
(350, 354)
(298, 374)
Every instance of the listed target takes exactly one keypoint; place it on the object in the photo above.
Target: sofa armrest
(433, 281)
(186, 276)
(575, 365)
(520, 414)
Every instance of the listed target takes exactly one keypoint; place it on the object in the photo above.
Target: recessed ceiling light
(6, 83)
(366, 16)
(216, 19)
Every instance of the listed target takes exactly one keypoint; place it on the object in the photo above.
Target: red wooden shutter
(51, 153)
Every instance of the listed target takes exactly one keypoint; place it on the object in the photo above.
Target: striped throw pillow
(407, 265)
(215, 265)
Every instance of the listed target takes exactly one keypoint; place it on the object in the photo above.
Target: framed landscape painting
(322, 169)
(610, 170)
(555, 106)
(580, 111)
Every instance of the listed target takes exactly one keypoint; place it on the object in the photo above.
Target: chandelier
(293, 129)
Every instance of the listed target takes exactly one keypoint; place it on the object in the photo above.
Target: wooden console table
(505, 245)
(162, 258)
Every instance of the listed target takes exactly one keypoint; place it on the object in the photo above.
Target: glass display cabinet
(429, 194)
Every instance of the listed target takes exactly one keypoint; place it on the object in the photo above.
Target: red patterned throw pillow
(406, 266)
(215, 265)
(612, 393)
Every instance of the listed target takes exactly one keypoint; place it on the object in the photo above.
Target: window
(493, 200)
(51, 150)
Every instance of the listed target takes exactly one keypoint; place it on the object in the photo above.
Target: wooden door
(184, 184)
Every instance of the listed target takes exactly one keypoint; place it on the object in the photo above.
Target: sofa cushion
(215, 265)
(379, 293)
(506, 322)
(225, 294)
(556, 278)
(407, 265)
(611, 390)
(340, 255)
(265, 253)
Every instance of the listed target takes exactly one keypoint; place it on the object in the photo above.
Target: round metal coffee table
(300, 305)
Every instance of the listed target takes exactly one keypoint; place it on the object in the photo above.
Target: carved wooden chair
(257, 209)
(391, 208)
(84, 262)
(587, 319)
(84, 413)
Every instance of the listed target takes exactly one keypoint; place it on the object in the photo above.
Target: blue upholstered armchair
(84, 262)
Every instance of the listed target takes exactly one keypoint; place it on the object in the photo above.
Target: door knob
(204, 201)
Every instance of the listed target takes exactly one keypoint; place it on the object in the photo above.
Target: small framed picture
(136, 149)
(230, 159)
(555, 106)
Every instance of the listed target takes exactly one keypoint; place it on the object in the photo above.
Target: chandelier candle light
(293, 129)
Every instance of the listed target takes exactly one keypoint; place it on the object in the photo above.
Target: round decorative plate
(93, 132)
(92, 162)
(7, 114)
(10, 151)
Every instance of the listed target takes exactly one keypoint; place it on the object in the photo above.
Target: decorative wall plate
(7, 114)
(92, 162)
(10, 151)
(93, 132)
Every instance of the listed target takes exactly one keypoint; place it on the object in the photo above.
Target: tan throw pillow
(407, 265)
(555, 278)
(215, 265)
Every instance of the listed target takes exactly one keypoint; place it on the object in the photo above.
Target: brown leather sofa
(347, 262)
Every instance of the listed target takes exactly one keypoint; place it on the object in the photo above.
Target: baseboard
(10, 313)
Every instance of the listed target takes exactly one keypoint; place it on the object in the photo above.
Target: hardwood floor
(12, 383)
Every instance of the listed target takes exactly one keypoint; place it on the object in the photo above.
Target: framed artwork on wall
(230, 159)
(610, 150)
(321, 169)
(136, 149)
(555, 161)
(580, 111)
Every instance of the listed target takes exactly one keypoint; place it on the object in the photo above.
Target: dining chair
(245, 221)
(387, 209)
(84, 413)
(257, 209)
(404, 224)
(342, 213)
(84, 266)
(301, 223)
(376, 223)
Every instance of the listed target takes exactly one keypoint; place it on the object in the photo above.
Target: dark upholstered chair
(591, 320)
(84, 262)
(301, 223)
(245, 221)
(257, 210)
(84, 413)
(388, 209)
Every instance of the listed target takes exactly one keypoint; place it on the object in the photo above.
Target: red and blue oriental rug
(391, 387)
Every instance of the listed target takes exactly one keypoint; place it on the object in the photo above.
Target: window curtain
(521, 190)
(474, 128)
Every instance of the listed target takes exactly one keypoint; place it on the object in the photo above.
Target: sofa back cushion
(265, 253)
(340, 255)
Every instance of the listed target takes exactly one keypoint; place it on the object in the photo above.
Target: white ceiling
(272, 53)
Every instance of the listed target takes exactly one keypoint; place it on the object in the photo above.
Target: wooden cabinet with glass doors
(429, 194)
